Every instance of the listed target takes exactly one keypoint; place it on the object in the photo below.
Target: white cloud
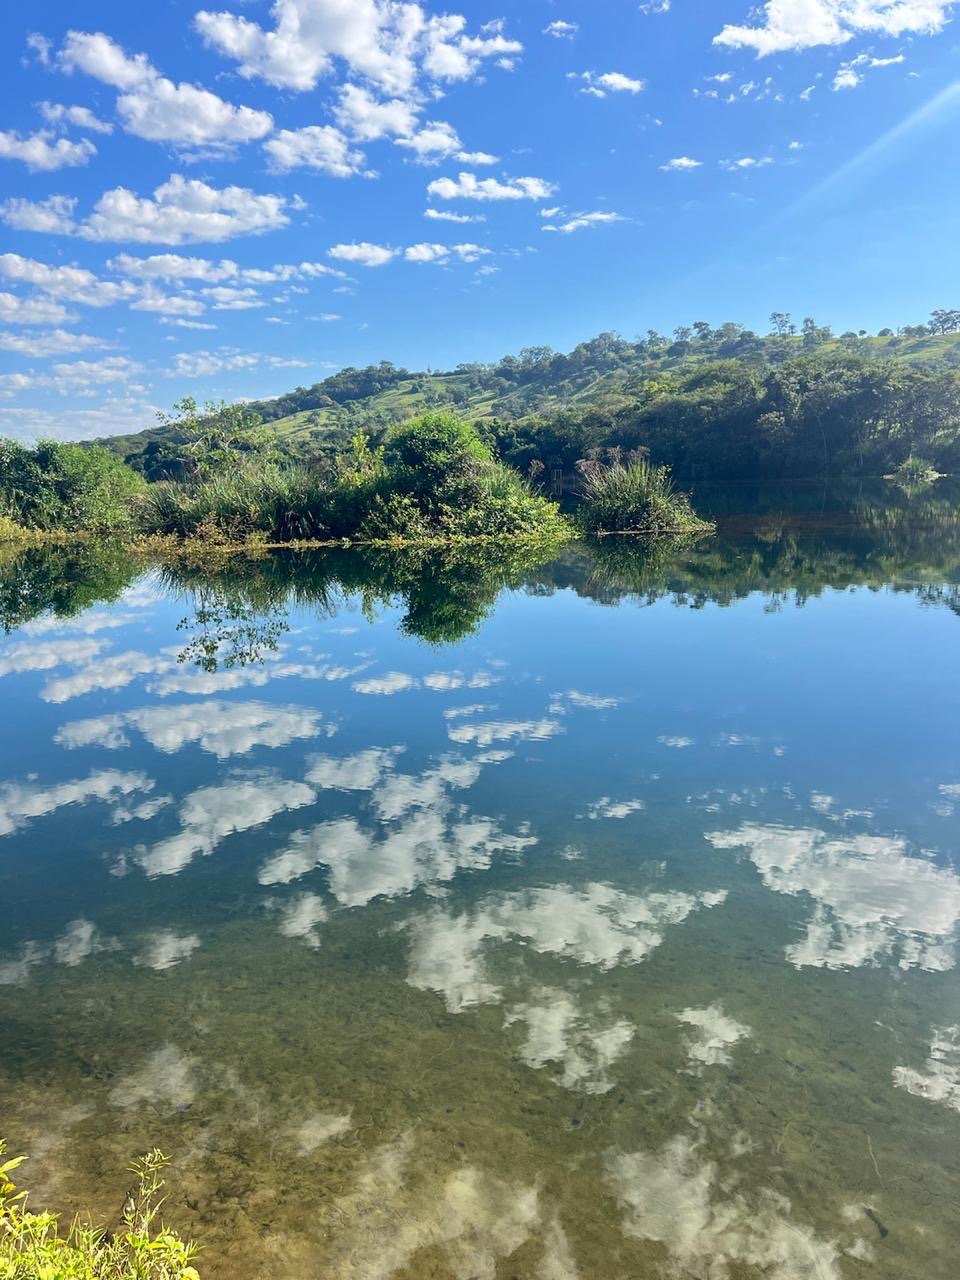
(222, 728)
(940, 1082)
(438, 140)
(40, 152)
(607, 808)
(581, 220)
(204, 364)
(56, 342)
(745, 162)
(850, 74)
(53, 216)
(155, 108)
(32, 310)
(320, 147)
(873, 900)
(77, 375)
(561, 30)
(164, 949)
(490, 731)
(389, 45)
(804, 24)
(584, 1045)
(70, 284)
(299, 919)
(392, 682)
(211, 814)
(447, 215)
(443, 252)
(79, 117)
(598, 86)
(671, 1197)
(184, 211)
(679, 164)
(467, 186)
(594, 925)
(366, 118)
(364, 253)
(21, 802)
(714, 1035)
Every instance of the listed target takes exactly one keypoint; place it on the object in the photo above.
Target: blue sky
(233, 202)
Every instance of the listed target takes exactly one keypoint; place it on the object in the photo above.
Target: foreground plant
(33, 1248)
(634, 497)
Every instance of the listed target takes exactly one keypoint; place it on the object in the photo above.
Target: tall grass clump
(33, 1247)
(633, 497)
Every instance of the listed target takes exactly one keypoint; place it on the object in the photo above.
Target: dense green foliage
(633, 496)
(33, 1248)
(67, 487)
(555, 407)
(433, 480)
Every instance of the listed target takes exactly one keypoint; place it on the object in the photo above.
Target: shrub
(633, 497)
(33, 1248)
(68, 486)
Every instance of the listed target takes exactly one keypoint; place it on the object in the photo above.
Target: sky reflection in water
(585, 918)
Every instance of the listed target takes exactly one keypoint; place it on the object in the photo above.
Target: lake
(580, 914)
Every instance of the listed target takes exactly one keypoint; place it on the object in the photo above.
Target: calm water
(587, 918)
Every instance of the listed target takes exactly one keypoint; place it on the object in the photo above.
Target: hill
(606, 375)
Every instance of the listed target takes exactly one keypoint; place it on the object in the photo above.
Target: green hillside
(606, 374)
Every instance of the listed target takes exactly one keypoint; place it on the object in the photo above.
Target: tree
(222, 433)
(943, 321)
(782, 323)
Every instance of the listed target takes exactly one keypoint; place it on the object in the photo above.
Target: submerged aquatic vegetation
(33, 1248)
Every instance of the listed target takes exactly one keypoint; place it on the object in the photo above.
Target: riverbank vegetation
(433, 480)
(34, 1246)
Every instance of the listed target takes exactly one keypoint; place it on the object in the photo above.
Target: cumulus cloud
(598, 86)
(789, 25)
(595, 925)
(680, 163)
(222, 728)
(181, 211)
(53, 216)
(211, 814)
(153, 107)
(679, 1199)
(467, 186)
(390, 46)
(581, 220)
(582, 1044)
(873, 900)
(319, 147)
(363, 253)
(561, 30)
(489, 731)
(16, 310)
(55, 342)
(447, 215)
(714, 1034)
(940, 1080)
(41, 152)
(367, 118)
(70, 284)
(442, 253)
(437, 140)
(79, 117)
(21, 802)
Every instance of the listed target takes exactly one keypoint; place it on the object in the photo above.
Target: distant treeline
(722, 403)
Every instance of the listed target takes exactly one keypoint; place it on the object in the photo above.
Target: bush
(633, 497)
(68, 487)
(32, 1248)
(434, 480)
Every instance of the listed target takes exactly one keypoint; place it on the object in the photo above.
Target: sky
(231, 203)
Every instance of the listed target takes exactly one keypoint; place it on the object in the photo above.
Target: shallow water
(587, 918)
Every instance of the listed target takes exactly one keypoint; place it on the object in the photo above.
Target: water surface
(588, 916)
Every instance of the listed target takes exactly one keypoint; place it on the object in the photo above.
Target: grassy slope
(452, 391)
